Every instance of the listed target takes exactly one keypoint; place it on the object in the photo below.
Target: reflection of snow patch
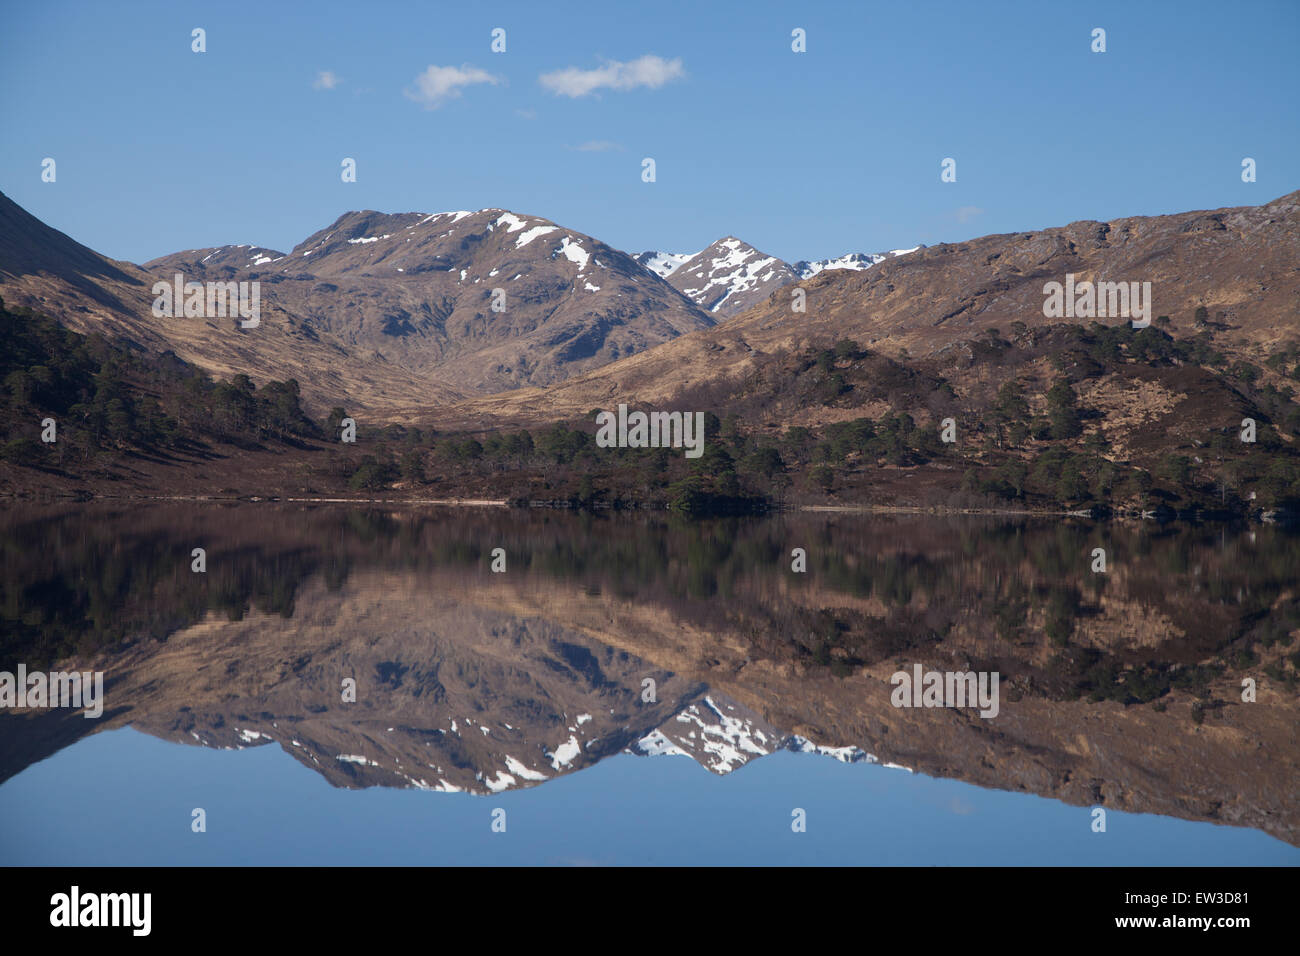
(843, 754)
(725, 745)
(517, 767)
(565, 753)
(657, 745)
(355, 758)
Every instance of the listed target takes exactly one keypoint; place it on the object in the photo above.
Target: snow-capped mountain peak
(853, 260)
(731, 275)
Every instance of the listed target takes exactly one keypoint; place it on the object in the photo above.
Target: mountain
(419, 291)
(724, 278)
(45, 270)
(731, 275)
(1230, 273)
(374, 310)
(722, 735)
(854, 260)
(727, 277)
(216, 258)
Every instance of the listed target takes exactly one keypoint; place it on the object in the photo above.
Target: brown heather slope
(1242, 264)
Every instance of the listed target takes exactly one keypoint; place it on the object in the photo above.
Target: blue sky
(805, 155)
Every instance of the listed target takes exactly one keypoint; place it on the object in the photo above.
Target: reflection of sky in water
(123, 797)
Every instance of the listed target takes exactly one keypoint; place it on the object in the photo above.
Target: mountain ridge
(1238, 264)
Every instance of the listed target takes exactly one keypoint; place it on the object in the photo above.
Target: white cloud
(437, 84)
(596, 146)
(326, 80)
(648, 71)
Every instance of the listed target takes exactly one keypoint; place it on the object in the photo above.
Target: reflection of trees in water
(976, 592)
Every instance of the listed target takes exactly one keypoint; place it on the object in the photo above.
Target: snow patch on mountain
(574, 252)
(532, 234)
(512, 221)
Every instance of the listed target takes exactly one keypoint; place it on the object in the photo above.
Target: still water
(387, 687)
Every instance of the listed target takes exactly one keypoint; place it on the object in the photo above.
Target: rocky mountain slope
(1232, 271)
(374, 310)
(420, 292)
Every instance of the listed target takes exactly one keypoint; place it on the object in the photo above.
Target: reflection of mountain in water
(450, 696)
(1118, 689)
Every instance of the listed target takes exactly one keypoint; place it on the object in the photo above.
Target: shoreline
(844, 509)
(269, 499)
